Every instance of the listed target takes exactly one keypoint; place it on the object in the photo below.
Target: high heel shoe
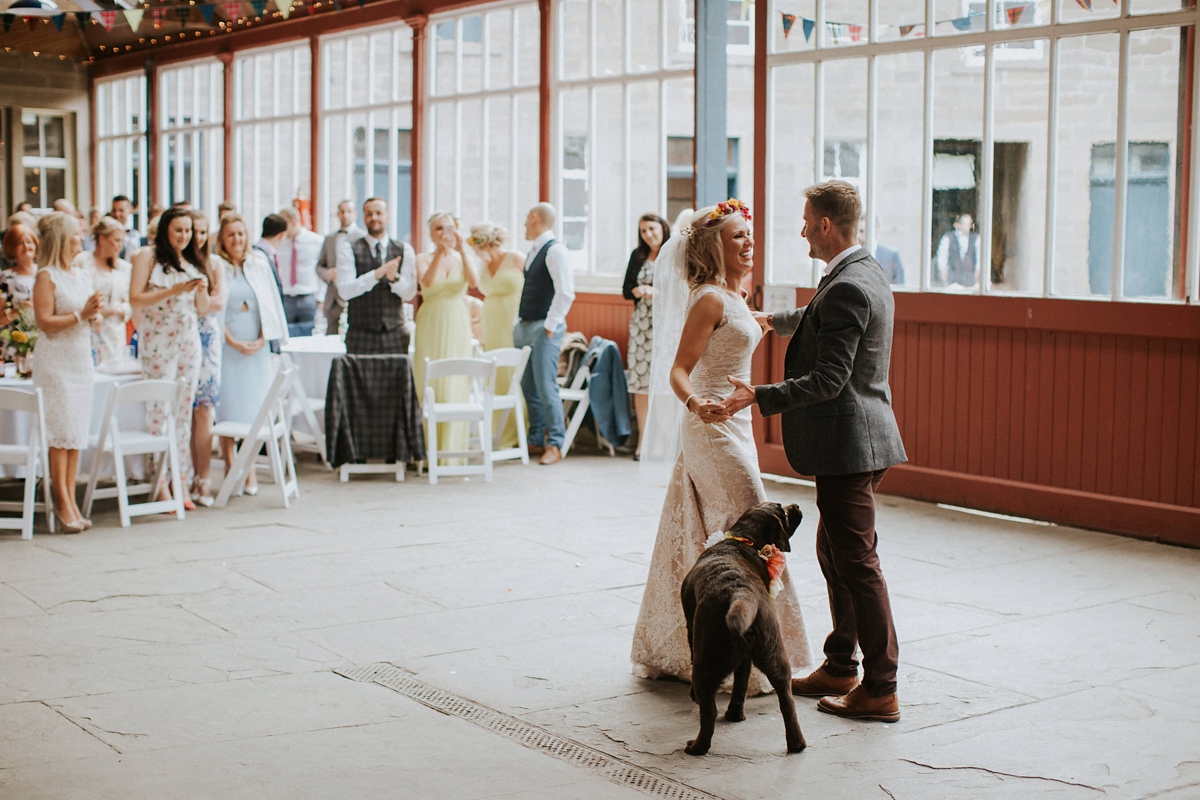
(201, 494)
(75, 526)
(252, 490)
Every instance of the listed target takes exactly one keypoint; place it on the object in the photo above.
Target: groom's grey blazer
(835, 399)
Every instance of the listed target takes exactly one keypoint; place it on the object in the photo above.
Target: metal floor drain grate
(530, 736)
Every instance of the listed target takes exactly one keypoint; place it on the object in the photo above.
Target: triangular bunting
(259, 7)
(81, 19)
(788, 21)
(156, 15)
(905, 30)
(964, 23)
(182, 13)
(30, 22)
(855, 33)
(58, 20)
(6, 21)
(207, 10)
(134, 17)
(807, 25)
(1014, 14)
(232, 11)
(1086, 5)
(285, 8)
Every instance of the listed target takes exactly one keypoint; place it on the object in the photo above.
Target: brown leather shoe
(536, 450)
(552, 456)
(820, 683)
(860, 705)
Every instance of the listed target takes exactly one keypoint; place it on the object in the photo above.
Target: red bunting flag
(232, 10)
(905, 30)
(1014, 14)
(855, 33)
(788, 21)
(156, 14)
(108, 19)
(1086, 5)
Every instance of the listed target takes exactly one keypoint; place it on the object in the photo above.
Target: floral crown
(495, 237)
(723, 210)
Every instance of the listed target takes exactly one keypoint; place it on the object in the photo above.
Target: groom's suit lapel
(857, 255)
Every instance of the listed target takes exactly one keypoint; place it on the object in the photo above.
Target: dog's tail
(742, 612)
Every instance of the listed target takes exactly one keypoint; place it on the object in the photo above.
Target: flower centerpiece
(19, 338)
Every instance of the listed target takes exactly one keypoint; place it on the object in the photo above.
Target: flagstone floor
(197, 659)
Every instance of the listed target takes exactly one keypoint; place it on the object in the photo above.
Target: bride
(716, 477)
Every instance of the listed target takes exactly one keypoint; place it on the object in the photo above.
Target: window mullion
(927, 171)
(1051, 169)
(872, 149)
(818, 138)
(1122, 158)
(986, 177)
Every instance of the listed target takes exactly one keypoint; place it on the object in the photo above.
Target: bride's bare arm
(701, 321)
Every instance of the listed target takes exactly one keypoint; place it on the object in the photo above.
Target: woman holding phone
(170, 288)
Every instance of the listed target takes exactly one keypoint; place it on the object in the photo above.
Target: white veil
(660, 439)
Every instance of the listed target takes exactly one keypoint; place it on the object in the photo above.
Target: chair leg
(576, 421)
(47, 488)
(522, 441)
(235, 472)
(27, 507)
(431, 447)
(485, 435)
(122, 488)
(97, 463)
(176, 476)
(277, 467)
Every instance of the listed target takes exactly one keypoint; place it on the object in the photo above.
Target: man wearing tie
(545, 300)
(376, 276)
(298, 273)
(274, 228)
(327, 264)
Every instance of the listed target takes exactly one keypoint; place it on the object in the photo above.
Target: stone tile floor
(195, 659)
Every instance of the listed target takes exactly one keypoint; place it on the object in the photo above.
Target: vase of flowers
(19, 338)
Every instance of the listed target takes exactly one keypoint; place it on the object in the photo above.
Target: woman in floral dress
(208, 385)
(653, 231)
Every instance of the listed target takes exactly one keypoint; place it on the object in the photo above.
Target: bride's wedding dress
(716, 479)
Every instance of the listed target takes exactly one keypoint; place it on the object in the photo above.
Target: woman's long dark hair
(165, 254)
(643, 249)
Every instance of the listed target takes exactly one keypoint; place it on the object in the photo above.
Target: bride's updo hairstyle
(488, 234)
(705, 253)
(439, 215)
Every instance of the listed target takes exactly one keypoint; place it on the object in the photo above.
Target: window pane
(500, 49)
(957, 161)
(646, 37)
(1085, 165)
(575, 161)
(681, 34)
(443, 58)
(471, 201)
(1019, 171)
(500, 171)
(56, 184)
(610, 35)
(528, 49)
(528, 160)
(608, 170)
(955, 17)
(899, 173)
(644, 147)
(845, 23)
(1153, 6)
(472, 53)
(795, 31)
(444, 147)
(790, 170)
(845, 134)
(1153, 265)
(357, 64)
(32, 133)
(681, 126)
(33, 188)
(575, 29)
(402, 48)
(900, 19)
(334, 83)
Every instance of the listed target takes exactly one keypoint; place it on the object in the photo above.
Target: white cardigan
(270, 306)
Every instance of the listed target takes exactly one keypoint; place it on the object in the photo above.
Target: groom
(838, 426)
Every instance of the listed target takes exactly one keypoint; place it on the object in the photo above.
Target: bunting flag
(232, 10)
(1086, 5)
(905, 30)
(156, 15)
(181, 14)
(337, 5)
(964, 23)
(807, 25)
(30, 22)
(362, 3)
(788, 21)
(6, 21)
(58, 20)
(134, 17)
(1014, 14)
(259, 7)
(855, 33)
(207, 10)
(82, 18)
(285, 8)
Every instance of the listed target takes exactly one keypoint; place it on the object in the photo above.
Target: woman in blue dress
(253, 316)
(208, 385)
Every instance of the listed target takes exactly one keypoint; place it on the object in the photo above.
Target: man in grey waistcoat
(376, 276)
(838, 426)
(333, 304)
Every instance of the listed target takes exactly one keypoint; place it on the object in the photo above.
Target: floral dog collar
(769, 553)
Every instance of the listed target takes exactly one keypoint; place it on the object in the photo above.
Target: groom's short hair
(838, 201)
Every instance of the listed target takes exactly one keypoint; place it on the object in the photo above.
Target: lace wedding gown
(716, 479)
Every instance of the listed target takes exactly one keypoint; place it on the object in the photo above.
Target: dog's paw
(796, 747)
(735, 715)
(695, 748)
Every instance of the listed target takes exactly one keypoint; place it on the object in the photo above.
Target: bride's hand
(709, 411)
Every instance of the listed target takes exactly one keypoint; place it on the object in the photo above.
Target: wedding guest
(64, 301)
(958, 254)
(253, 316)
(89, 244)
(16, 282)
(653, 231)
(545, 300)
(110, 277)
(208, 384)
(274, 228)
(501, 278)
(122, 212)
(170, 288)
(301, 249)
(153, 213)
(333, 304)
(444, 321)
(376, 276)
(226, 207)
(888, 258)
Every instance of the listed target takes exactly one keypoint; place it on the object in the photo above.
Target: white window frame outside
(436, 103)
(121, 145)
(66, 163)
(992, 41)
(208, 174)
(247, 188)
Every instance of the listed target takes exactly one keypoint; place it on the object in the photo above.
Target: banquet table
(14, 426)
(313, 356)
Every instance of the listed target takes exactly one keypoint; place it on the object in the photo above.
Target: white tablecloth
(313, 356)
(14, 426)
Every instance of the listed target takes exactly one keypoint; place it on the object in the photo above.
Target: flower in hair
(724, 209)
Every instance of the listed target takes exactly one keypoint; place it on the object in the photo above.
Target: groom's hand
(764, 320)
(742, 397)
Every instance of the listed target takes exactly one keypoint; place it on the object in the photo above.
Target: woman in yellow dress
(501, 278)
(444, 321)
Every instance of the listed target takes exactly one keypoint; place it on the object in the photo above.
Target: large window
(1008, 158)
(272, 129)
(121, 144)
(366, 123)
(482, 115)
(46, 157)
(191, 119)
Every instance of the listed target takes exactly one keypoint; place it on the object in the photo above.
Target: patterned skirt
(212, 340)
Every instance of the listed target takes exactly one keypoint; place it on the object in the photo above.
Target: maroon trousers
(858, 595)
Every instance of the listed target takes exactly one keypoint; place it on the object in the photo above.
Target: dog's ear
(794, 517)
(783, 519)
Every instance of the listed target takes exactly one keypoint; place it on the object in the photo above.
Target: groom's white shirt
(833, 262)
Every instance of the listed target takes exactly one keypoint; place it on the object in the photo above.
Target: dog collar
(769, 553)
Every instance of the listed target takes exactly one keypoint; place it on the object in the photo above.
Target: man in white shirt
(376, 276)
(545, 300)
(958, 254)
(297, 257)
(122, 212)
(333, 305)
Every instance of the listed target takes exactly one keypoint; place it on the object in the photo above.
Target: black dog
(731, 620)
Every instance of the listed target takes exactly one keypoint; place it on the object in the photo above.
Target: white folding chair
(30, 454)
(510, 403)
(121, 444)
(269, 428)
(477, 409)
(577, 393)
(299, 404)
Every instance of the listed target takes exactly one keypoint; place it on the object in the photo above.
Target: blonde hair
(106, 225)
(705, 253)
(218, 245)
(54, 239)
(435, 216)
(488, 234)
